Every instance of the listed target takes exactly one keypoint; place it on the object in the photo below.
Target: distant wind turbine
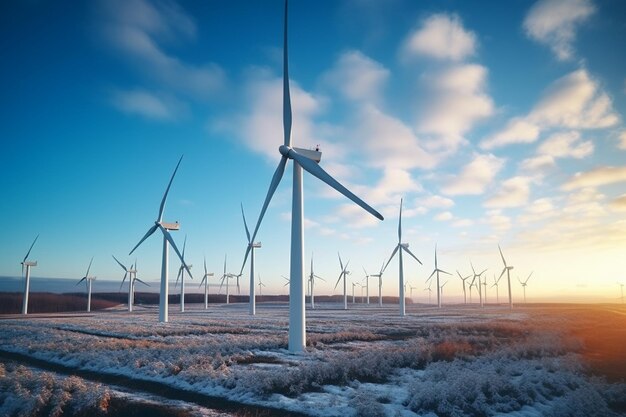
(484, 283)
(441, 290)
(226, 277)
(495, 284)
(478, 286)
(524, 283)
(354, 284)
(430, 291)
(399, 248)
(506, 269)
(380, 284)
(128, 272)
(367, 285)
(463, 279)
(312, 278)
(89, 280)
(28, 264)
(250, 249)
(261, 285)
(181, 276)
(205, 281)
(159, 224)
(307, 160)
(344, 274)
(437, 271)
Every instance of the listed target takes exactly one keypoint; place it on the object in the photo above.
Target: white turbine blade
(245, 224)
(144, 283)
(382, 268)
(167, 190)
(205, 271)
(411, 253)
(314, 169)
(483, 271)
(431, 275)
(278, 175)
(459, 274)
(528, 277)
(286, 94)
(366, 275)
(89, 267)
(169, 239)
(31, 248)
(318, 277)
(435, 256)
(340, 263)
(502, 273)
(147, 235)
(472, 265)
(123, 280)
(444, 272)
(503, 261)
(225, 255)
(340, 275)
(180, 272)
(81, 280)
(202, 282)
(391, 257)
(119, 263)
(400, 224)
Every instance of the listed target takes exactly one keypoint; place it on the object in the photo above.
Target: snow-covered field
(367, 361)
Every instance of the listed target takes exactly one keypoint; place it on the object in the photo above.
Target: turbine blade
(503, 261)
(314, 169)
(340, 263)
(184, 246)
(89, 267)
(391, 257)
(431, 275)
(340, 275)
(81, 280)
(444, 272)
(205, 271)
(31, 248)
(123, 280)
(245, 224)
(119, 263)
(318, 277)
(286, 94)
(528, 277)
(411, 253)
(435, 256)
(400, 223)
(147, 235)
(501, 274)
(483, 271)
(169, 239)
(167, 190)
(144, 283)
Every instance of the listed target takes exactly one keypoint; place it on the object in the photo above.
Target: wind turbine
(463, 279)
(399, 248)
(225, 277)
(441, 289)
(159, 224)
(344, 273)
(437, 271)
(260, 285)
(495, 284)
(205, 281)
(484, 283)
(380, 284)
(506, 269)
(181, 276)
(89, 280)
(367, 285)
(478, 286)
(307, 160)
(127, 271)
(430, 291)
(354, 284)
(28, 265)
(134, 269)
(312, 277)
(524, 283)
(251, 247)
(412, 288)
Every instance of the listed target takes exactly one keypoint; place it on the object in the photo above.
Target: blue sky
(496, 121)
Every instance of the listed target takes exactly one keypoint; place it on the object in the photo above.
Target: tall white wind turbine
(28, 264)
(344, 274)
(430, 291)
(89, 280)
(496, 281)
(307, 160)
(226, 277)
(181, 276)
(261, 285)
(524, 283)
(436, 272)
(251, 247)
(463, 279)
(205, 281)
(478, 285)
(380, 284)
(159, 224)
(507, 269)
(127, 272)
(134, 268)
(312, 278)
(367, 285)
(399, 248)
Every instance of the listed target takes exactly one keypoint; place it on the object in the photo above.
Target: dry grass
(11, 303)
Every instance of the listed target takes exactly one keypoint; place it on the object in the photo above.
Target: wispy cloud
(619, 203)
(475, 176)
(149, 105)
(513, 192)
(596, 177)
(441, 36)
(566, 144)
(554, 23)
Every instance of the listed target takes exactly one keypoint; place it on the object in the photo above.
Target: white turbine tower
(127, 271)
(343, 274)
(478, 285)
(436, 272)
(307, 160)
(28, 265)
(354, 284)
(367, 285)
(399, 248)
(484, 283)
(159, 224)
(181, 276)
(312, 278)
(205, 281)
(430, 291)
(524, 283)
(251, 247)
(226, 277)
(380, 284)
(506, 269)
(134, 269)
(463, 279)
(495, 284)
(89, 280)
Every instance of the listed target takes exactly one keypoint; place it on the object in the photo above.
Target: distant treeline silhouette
(45, 302)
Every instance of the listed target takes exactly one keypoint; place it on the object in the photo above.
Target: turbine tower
(430, 291)
(159, 224)
(205, 281)
(495, 284)
(463, 279)
(312, 277)
(89, 280)
(134, 269)
(225, 277)
(441, 290)
(251, 247)
(127, 271)
(524, 283)
(484, 289)
(437, 271)
(380, 284)
(399, 248)
(367, 285)
(181, 276)
(28, 264)
(307, 160)
(478, 286)
(506, 269)
(343, 274)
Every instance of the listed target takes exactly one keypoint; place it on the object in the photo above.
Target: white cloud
(518, 130)
(596, 177)
(462, 223)
(514, 192)
(475, 176)
(441, 36)
(619, 203)
(566, 144)
(498, 221)
(444, 216)
(434, 201)
(554, 23)
(147, 104)
(139, 28)
(358, 77)
(540, 209)
(537, 164)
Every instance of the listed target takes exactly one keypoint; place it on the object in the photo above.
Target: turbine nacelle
(29, 263)
(169, 226)
(308, 153)
(255, 245)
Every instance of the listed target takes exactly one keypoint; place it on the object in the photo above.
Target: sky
(496, 122)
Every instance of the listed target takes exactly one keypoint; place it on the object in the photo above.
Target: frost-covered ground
(365, 361)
